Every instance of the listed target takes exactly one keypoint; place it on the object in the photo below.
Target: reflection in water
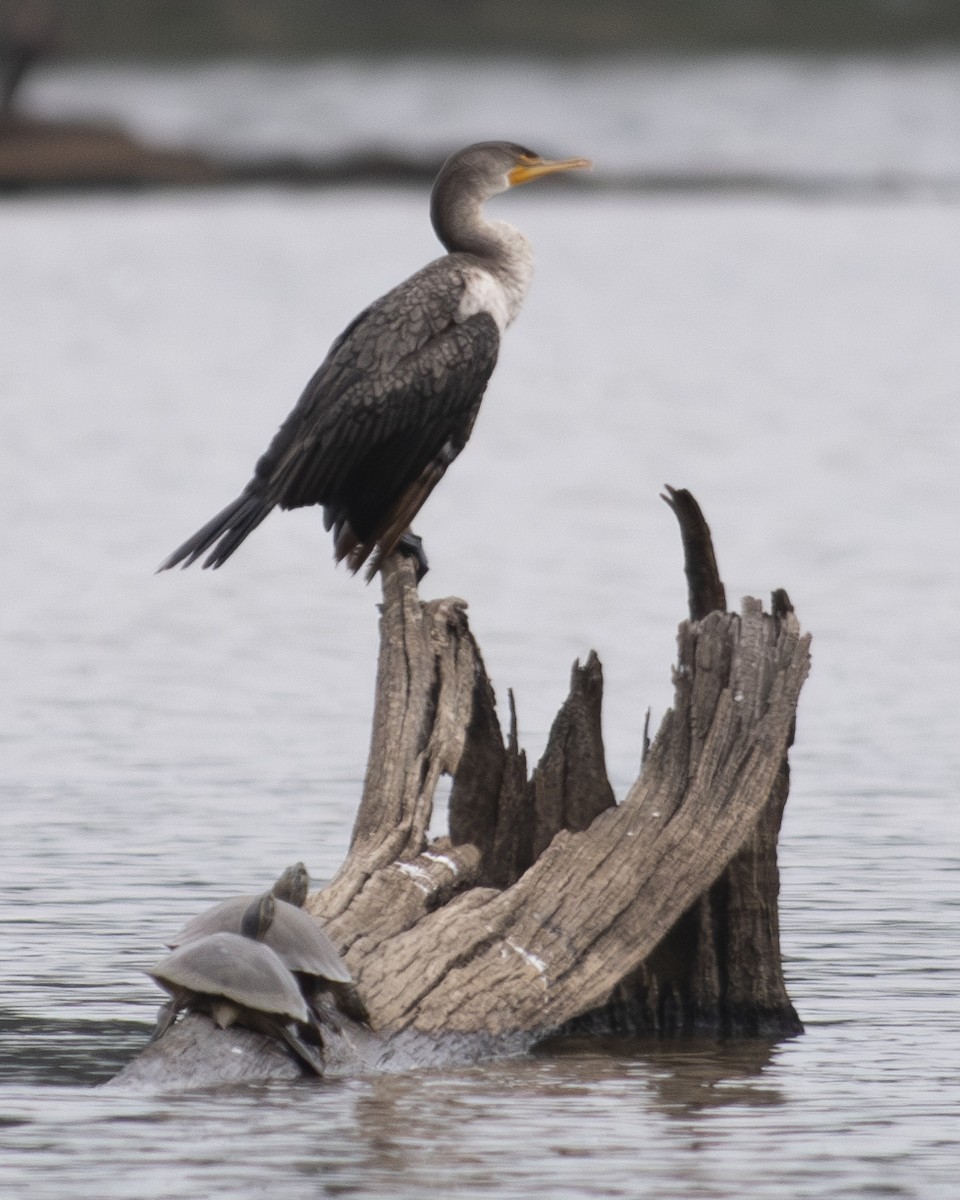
(575, 1102)
(683, 1074)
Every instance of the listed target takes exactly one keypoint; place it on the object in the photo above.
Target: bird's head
(486, 168)
(472, 175)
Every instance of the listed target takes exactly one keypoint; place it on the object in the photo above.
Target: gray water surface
(166, 740)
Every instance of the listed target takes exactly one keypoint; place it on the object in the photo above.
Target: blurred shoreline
(55, 156)
(799, 125)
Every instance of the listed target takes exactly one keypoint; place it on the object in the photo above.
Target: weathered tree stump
(550, 908)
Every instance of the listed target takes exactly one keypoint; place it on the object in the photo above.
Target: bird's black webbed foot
(411, 546)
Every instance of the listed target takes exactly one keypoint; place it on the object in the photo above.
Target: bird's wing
(373, 447)
(386, 489)
(398, 392)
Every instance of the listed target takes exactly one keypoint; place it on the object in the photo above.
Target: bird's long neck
(457, 216)
(456, 211)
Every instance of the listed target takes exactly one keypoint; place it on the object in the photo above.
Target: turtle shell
(293, 934)
(246, 972)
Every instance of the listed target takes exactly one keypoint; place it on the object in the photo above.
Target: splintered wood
(546, 907)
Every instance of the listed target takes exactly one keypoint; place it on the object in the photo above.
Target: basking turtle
(237, 980)
(291, 887)
(293, 934)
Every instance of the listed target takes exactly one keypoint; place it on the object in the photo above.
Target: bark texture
(550, 908)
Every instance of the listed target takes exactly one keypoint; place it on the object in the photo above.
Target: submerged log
(551, 909)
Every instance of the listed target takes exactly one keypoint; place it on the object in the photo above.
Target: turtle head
(293, 885)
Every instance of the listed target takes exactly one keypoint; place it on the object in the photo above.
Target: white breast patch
(485, 293)
(501, 292)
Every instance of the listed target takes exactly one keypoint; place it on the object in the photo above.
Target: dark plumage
(394, 402)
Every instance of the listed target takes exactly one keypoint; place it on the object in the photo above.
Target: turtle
(291, 887)
(237, 980)
(293, 934)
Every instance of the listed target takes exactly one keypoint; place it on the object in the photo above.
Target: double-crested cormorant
(395, 400)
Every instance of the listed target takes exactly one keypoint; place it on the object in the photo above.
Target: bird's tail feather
(224, 532)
